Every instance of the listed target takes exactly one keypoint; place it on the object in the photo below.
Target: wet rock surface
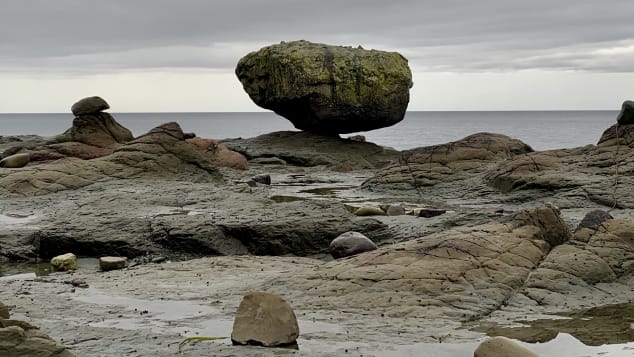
(501, 251)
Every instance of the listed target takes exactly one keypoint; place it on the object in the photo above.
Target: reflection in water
(610, 324)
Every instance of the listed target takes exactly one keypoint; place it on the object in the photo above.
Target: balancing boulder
(328, 89)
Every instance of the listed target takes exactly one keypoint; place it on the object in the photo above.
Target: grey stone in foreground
(350, 243)
(626, 116)
(89, 105)
(20, 339)
(112, 263)
(328, 89)
(16, 161)
(502, 347)
(264, 319)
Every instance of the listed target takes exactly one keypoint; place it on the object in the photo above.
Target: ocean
(542, 130)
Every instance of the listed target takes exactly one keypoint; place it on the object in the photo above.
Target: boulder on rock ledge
(328, 89)
(350, 243)
(89, 105)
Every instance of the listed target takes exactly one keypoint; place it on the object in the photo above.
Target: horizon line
(270, 112)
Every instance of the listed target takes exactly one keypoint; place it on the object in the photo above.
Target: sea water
(542, 130)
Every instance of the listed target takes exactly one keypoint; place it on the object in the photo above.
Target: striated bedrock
(461, 274)
(328, 89)
(219, 154)
(590, 171)
(162, 152)
(603, 255)
(431, 165)
(310, 149)
(177, 217)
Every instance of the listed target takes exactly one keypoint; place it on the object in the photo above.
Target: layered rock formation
(460, 274)
(308, 149)
(430, 165)
(93, 134)
(328, 89)
(160, 153)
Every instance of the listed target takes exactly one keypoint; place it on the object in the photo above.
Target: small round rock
(350, 243)
(112, 263)
(89, 105)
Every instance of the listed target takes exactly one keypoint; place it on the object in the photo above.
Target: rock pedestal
(264, 319)
(328, 89)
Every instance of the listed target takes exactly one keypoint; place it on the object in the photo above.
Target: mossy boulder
(328, 89)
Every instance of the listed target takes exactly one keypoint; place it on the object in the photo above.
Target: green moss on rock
(328, 89)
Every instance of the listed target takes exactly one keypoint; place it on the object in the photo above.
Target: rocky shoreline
(494, 233)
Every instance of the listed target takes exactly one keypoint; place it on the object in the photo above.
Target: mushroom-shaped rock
(350, 243)
(328, 89)
(89, 105)
(16, 161)
(502, 347)
(264, 319)
(112, 263)
(64, 262)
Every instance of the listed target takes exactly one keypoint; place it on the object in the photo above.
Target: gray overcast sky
(159, 55)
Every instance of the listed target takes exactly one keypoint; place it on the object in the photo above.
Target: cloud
(90, 36)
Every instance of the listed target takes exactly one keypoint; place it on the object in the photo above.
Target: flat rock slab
(112, 263)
